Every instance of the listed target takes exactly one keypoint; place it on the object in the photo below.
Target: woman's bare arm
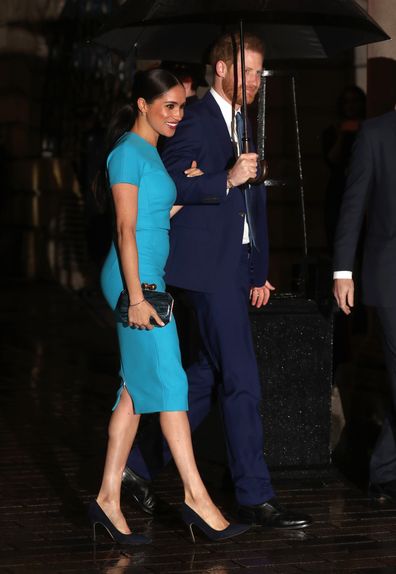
(126, 206)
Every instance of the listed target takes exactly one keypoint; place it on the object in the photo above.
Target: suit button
(241, 213)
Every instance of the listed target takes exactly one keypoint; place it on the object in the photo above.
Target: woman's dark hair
(149, 85)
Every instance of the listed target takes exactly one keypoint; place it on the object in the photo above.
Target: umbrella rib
(153, 9)
(157, 4)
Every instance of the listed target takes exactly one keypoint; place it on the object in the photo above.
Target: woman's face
(165, 112)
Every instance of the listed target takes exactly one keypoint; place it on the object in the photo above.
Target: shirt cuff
(342, 275)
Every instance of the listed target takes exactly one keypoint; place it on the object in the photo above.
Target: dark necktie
(247, 191)
(239, 130)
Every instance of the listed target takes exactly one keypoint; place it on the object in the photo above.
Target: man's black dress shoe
(139, 491)
(383, 491)
(274, 515)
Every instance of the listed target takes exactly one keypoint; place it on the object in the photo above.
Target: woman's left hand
(259, 296)
(193, 171)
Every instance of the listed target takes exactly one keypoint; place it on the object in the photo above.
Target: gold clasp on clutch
(149, 286)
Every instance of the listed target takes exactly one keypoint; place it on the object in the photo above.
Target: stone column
(381, 65)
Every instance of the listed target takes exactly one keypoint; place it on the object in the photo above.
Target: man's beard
(228, 87)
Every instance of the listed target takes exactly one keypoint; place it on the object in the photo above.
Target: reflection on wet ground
(57, 385)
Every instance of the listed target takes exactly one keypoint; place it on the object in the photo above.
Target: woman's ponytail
(121, 122)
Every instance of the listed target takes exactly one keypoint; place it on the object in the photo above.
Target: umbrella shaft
(245, 147)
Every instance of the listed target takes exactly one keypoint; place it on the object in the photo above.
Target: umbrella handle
(262, 175)
(262, 165)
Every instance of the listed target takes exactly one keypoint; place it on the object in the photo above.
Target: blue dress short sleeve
(124, 165)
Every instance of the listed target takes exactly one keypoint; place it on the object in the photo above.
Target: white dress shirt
(342, 275)
(227, 112)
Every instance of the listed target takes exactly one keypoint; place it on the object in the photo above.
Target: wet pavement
(58, 381)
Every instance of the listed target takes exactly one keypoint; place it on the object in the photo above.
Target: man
(219, 257)
(371, 191)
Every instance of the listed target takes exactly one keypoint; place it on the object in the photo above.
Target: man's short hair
(228, 45)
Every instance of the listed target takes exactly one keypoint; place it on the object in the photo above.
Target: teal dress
(151, 369)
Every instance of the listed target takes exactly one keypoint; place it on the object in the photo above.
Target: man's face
(253, 69)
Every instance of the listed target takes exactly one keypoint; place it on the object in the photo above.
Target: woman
(152, 376)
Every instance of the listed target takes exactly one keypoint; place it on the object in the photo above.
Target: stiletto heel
(97, 516)
(191, 518)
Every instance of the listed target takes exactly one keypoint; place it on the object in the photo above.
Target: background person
(370, 194)
(192, 77)
(337, 143)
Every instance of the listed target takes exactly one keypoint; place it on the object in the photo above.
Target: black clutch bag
(160, 300)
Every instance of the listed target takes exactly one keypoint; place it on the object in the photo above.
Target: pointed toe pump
(97, 516)
(192, 519)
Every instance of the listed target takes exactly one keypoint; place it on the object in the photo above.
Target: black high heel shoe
(191, 518)
(97, 516)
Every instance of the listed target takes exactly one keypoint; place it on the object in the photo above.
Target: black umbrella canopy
(174, 30)
(290, 29)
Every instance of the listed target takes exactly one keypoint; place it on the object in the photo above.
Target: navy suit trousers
(227, 365)
(383, 459)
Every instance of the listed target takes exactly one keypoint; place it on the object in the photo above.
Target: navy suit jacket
(371, 191)
(206, 235)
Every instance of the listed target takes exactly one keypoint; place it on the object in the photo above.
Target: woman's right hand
(193, 170)
(139, 316)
